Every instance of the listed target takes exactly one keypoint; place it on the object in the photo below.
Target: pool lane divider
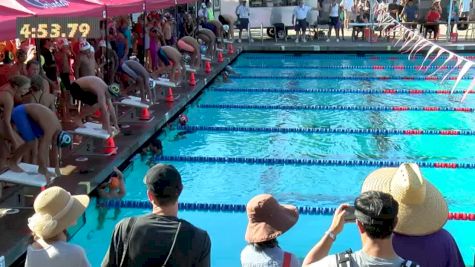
(340, 91)
(372, 67)
(240, 208)
(325, 130)
(346, 57)
(320, 162)
(302, 77)
(337, 107)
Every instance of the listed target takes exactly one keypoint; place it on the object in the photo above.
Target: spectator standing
(134, 240)
(202, 14)
(376, 217)
(139, 37)
(299, 20)
(190, 25)
(39, 95)
(55, 211)
(423, 212)
(32, 69)
(453, 14)
(348, 9)
(243, 13)
(410, 13)
(267, 221)
(49, 64)
(334, 20)
(209, 11)
(19, 68)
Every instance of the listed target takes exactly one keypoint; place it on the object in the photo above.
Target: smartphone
(350, 214)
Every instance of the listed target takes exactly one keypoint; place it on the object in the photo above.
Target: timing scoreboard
(57, 27)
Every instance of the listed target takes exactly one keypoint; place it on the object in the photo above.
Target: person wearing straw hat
(55, 211)
(422, 214)
(267, 219)
(375, 214)
(159, 238)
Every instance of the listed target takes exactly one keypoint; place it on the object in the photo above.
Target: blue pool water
(303, 185)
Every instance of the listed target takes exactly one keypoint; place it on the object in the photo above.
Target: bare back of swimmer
(141, 78)
(170, 61)
(190, 44)
(35, 122)
(209, 38)
(96, 94)
(219, 29)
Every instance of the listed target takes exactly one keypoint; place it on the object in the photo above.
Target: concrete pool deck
(16, 235)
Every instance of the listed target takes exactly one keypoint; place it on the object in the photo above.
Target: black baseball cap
(164, 181)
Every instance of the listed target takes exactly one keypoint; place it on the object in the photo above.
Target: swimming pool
(261, 120)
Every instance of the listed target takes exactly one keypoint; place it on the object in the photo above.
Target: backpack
(343, 259)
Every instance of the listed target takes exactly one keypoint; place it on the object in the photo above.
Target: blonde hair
(18, 80)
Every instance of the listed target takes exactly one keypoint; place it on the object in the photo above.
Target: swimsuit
(28, 129)
(185, 46)
(77, 93)
(129, 71)
(163, 57)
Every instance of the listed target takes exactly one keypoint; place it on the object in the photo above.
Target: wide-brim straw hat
(56, 210)
(267, 219)
(422, 208)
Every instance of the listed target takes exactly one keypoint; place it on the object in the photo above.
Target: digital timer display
(55, 27)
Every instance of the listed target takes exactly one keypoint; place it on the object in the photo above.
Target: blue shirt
(300, 12)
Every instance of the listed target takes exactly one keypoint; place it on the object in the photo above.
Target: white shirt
(58, 254)
(334, 10)
(347, 4)
(243, 12)
(269, 257)
(300, 12)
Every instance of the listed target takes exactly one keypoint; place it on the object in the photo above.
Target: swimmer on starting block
(228, 25)
(35, 122)
(170, 62)
(96, 94)
(190, 45)
(10, 93)
(209, 38)
(140, 76)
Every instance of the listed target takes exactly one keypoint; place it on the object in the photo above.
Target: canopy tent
(11, 9)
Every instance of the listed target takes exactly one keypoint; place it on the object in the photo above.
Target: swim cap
(203, 49)
(114, 89)
(84, 45)
(187, 58)
(182, 119)
(226, 28)
(62, 42)
(64, 139)
(114, 182)
(151, 83)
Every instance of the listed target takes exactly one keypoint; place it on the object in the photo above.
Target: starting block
(164, 82)
(190, 69)
(226, 41)
(141, 112)
(203, 57)
(167, 94)
(219, 50)
(100, 143)
(29, 176)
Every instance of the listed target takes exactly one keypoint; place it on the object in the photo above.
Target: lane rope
(339, 91)
(321, 162)
(240, 208)
(372, 67)
(325, 130)
(345, 57)
(337, 107)
(302, 77)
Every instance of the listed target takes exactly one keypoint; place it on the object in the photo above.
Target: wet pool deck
(15, 233)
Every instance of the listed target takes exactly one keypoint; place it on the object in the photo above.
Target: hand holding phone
(350, 214)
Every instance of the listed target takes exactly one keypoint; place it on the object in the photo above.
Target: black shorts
(85, 97)
(335, 21)
(301, 24)
(243, 23)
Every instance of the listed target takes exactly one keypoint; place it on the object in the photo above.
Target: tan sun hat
(267, 219)
(56, 210)
(422, 208)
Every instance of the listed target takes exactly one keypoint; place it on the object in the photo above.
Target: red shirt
(433, 16)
